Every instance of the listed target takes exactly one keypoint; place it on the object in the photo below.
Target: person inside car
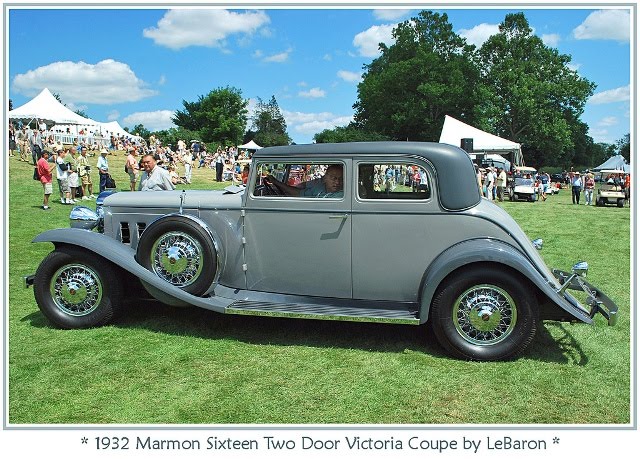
(330, 185)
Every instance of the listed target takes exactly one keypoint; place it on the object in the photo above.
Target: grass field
(158, 364)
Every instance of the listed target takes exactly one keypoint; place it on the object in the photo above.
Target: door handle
(338, 217)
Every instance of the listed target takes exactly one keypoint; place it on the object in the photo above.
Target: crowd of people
(156, 166)
(150, 167)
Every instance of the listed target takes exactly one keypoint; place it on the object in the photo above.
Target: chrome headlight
(83, 218)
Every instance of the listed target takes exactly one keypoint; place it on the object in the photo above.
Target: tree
(268, 125)
(349, 133)
(220, 116)
(535, 98)
(427, 73)
(623, 146)
(141, 131)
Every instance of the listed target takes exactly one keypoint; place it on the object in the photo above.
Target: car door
(397, 229)
(298, 245)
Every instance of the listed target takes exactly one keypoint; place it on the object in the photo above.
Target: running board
(384, 314)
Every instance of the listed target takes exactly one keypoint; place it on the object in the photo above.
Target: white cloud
(390, 15)
(327, 57)
(605, 25)
(551, 39)
(479, 34)
(621, 94)
(608, 121)
(312, 123)
(107, 82)
(351, 77)
(313, 93)
(113, 115)
(203, 27)
(280, 57)
(367, 41)
(154, 121)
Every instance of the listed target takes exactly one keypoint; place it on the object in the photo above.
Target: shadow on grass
(200, 323)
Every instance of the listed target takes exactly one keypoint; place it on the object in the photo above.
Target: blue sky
(138, 65)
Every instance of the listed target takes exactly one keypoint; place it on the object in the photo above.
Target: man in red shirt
(44, 172)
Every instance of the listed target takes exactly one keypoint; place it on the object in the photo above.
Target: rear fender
(495, 252)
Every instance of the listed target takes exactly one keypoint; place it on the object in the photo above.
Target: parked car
(341, 245)
(523, 185)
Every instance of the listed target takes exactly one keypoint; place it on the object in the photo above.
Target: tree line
(513, 86)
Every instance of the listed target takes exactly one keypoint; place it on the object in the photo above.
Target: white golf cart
(609, 189)
(523, 185)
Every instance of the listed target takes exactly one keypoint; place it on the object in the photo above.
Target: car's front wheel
(484, 314)
(75, 288)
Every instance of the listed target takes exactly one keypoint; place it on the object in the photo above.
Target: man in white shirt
(154, 177)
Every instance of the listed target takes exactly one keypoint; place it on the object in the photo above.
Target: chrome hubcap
(484, 314)
(76, 289)
(177, 258)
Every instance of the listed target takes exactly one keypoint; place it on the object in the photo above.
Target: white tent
(114, 128)
(453, 131)
(45, 107)
(615, 162)
(251, 145)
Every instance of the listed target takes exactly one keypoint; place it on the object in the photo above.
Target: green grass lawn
(158, 364)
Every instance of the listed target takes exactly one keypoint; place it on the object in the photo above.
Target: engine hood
(193, 199)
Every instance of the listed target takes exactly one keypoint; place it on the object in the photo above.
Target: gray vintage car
(386, 232)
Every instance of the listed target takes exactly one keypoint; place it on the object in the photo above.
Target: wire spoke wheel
(181, 252)
(177, 258)
(484, 315)
(76, 289)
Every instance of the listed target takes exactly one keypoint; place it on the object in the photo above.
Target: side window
(393, 181)
(300, 180)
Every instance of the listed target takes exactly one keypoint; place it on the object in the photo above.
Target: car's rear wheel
(484, 314)
(620, 202)
(75, 288)
(179, 251)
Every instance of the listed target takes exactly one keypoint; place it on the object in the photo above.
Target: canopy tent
(45, 107)
(114, 128)
(453, 131)
(615, 162)
(251, 145)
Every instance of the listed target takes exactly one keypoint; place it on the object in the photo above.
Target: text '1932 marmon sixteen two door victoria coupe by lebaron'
(384, 231)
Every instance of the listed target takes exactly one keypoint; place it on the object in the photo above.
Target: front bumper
(597, 301)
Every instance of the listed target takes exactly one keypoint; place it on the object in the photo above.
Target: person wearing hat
(103, 168)
(24, 144)
(84, 171)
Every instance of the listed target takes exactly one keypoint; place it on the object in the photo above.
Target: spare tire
(179, 250)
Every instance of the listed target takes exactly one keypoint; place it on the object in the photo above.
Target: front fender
(489, 251)
(123, 256)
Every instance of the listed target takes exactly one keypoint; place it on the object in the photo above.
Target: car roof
(456, 176)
